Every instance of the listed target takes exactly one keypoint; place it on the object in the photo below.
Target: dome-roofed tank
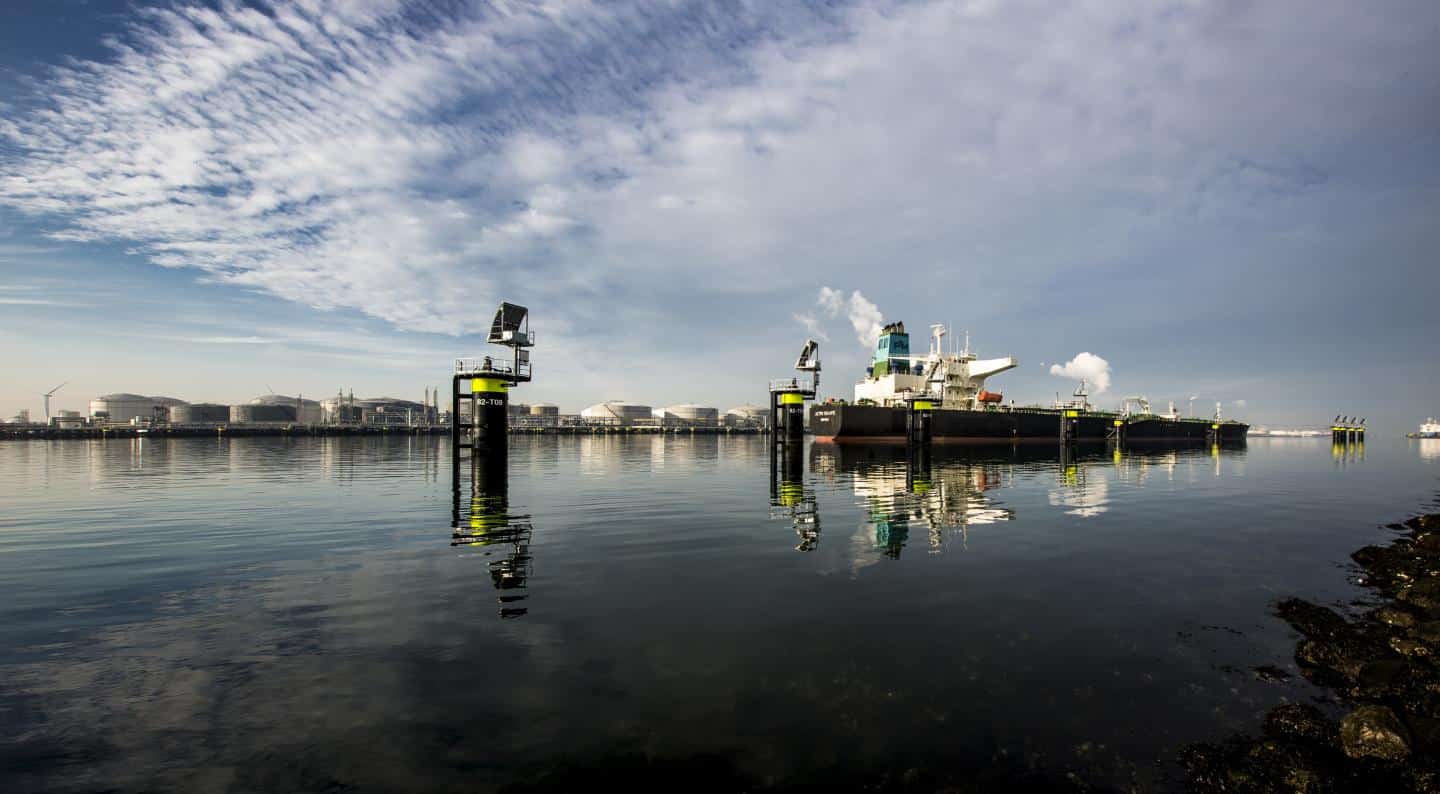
(127, 407)
(199, 414)
(688, 415)
(304, 411)
(617, 412)
(746, 415)
(544, 409)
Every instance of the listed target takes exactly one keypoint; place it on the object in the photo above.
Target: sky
(1234, 200)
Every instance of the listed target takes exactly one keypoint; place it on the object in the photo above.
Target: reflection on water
(482, 523)
(939, 493)
(287, 615)
(789, 496)
(1347, 453)
(1429, 448)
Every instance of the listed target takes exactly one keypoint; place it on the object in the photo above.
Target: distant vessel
(1431, 429)
(952, 385)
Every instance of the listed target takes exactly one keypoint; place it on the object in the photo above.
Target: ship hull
(877, 424)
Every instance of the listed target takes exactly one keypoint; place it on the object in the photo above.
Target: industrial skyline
(201, 200)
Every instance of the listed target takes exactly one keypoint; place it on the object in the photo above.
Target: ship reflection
(482, 522)
(933, 495)
(789, 498)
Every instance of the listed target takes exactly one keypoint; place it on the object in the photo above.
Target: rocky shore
(1384, 667)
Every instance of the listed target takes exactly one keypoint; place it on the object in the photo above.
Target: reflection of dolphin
(484, 520)
(788, 496)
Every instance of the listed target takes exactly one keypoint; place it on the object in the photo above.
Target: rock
(1427, 632)
(1374, 732)
(1424, 593)
(1431, 521)
(1391, 616)
(1301, 723)
(1314, 621)
(1428, 543)
(1384, 678)
(1328, 658)
(1408, 647)
(1271, 673)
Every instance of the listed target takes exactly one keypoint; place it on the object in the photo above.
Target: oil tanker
(952, 386)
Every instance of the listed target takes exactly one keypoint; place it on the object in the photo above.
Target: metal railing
(492, 366)
(792, 384)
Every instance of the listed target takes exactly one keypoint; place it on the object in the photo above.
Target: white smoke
(812, 324)
(1094, 369)
(1239, 403)
(863, 315)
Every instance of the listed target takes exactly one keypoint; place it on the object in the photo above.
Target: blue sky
(1233, 200)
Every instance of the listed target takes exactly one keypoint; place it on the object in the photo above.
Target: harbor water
(666, 613)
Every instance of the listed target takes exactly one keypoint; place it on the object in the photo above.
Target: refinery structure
(345, 410)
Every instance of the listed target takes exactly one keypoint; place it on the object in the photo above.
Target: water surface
(328, 614)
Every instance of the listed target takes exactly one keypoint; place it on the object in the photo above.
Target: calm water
(268, 614)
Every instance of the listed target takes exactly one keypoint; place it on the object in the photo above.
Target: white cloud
(230, 340)
(1092, 368)
(348, 156)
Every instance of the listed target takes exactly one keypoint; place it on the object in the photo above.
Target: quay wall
(250, 429)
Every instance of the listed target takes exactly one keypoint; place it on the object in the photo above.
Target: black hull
(865, 423)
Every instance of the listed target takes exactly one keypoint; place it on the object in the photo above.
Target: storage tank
(517, 409)
(390, 411)
(689, 415)
(199, 414)
(617, 412)
(306, 412)
(545, 409)
(746, 415)
(261, 412)
(123, 407)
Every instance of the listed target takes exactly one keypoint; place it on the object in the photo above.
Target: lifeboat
(989, 397)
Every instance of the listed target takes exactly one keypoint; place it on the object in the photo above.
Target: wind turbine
(47, 395)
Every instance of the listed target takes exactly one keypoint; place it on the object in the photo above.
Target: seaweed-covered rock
(1392, 616)
(1384, 678)
(1301, 723)
(1409, 647)
(1430, 522)
(1331, 660)
(1427, 632)
(1374, 732)
(1423, 593)
(1312, 620)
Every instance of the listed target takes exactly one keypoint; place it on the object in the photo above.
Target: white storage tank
(123, 407)
(305, 412)
(689, 415)
(545, 409)
(746, 416)
(617, 412)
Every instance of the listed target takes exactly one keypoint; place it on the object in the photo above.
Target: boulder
(1374, 732)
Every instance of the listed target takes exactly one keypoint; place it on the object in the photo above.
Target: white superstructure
(955, 379)
(1431, 429)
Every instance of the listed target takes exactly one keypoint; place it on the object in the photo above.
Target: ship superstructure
(1431, 429)
(955, 379)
